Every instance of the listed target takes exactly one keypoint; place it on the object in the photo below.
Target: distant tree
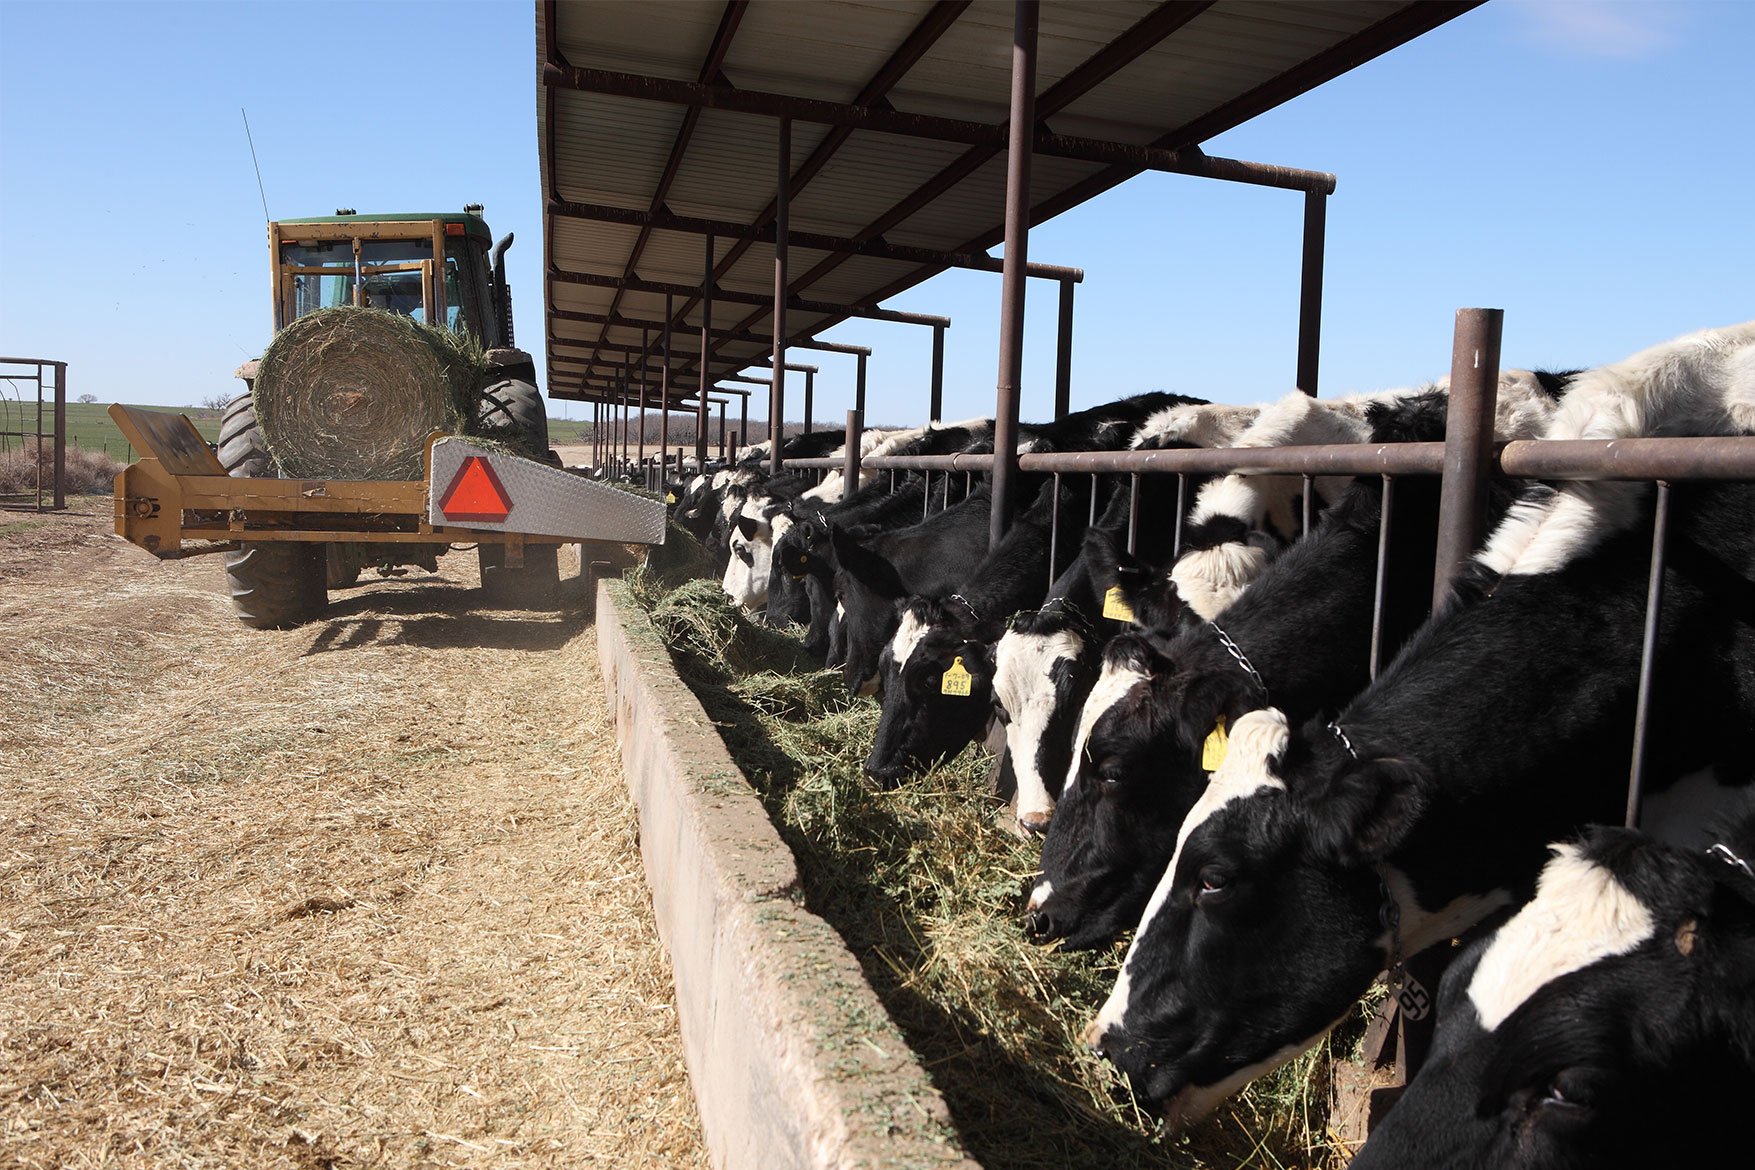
(88, 398)
(215, 402)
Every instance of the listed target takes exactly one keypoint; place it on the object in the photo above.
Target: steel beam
(782, 237)
(1310, 291)
(1063, 354)
(1026, 15)
(1468, 444)
(798, 304)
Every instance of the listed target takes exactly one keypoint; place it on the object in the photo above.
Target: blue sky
(1585, 166)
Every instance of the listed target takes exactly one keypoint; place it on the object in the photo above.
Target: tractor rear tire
(513, 410)
(273, 584)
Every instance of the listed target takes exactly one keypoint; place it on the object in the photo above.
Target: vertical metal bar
(947, 495)
(810, 389)
(664, 391)
(935, 406)
(722, 432)
(1181, 508)
(1063, 353)
(1054, 531)
(1133, 507)
(850, 460)
(704, 382)
(1382, 585)
(859, 387)
(743, 417)
(1468, 444)
(1309, 503)
(892, 479)
(1310, 291)
(926, 497)
(60, 430)
(645, 356)
(1020, 143)
(782, 226)
(1654, 604)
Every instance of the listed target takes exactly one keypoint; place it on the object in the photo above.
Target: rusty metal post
(859, 386)
(1063, 353)
(850, 458)
(60, 431)
(664, 394)
(1310, 291)
(743, 419)
(722, 430)
(705, 379)
(1654, 604)
(810, 389)
(935, 407)
(782, 225)
(645, 355)
(596, 435)
(1468, 444)
(1025, 15)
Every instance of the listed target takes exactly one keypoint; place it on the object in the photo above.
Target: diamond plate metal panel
(547, 501)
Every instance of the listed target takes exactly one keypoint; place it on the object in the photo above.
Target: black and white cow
(1300, 638)
(1608, 1025)
(1429, 800)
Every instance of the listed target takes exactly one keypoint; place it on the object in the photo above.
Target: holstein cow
(1609, 1024)
(1427, 803)
(926, 719)
(1300, 638)
(937, 671)
(1046, 661)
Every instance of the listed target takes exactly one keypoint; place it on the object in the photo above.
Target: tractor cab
(440, 269)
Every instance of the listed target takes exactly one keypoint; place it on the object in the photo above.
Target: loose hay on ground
(366, 893)
(926, 892)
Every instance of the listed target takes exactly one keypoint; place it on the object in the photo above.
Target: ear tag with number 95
(957, 680)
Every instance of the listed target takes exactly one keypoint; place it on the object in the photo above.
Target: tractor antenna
(265, 216)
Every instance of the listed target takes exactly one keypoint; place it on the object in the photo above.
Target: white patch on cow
(1580, 914)
(1209, 424)
(1701, 384)
(1023, 666)
(747, 584)
(1257, 737)
(1210, 579)
(1196, 1101)
(1111, 687)
(1420, 928)
(1039, 895)
(909, 633)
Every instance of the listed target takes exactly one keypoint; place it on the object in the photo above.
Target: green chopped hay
(928, 892)
(350, 393)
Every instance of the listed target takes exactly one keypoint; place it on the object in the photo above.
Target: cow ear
(866, 567)
(1203, 696)
(1366, 811)
(749, 526)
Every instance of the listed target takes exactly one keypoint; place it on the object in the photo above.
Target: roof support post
(706, 377)
(1310, 290)
(1468, 444)
(810, 390)
(664, 395)
(722, 430)
(1063, 354)
(1026, 14)
(850, 453)
(782, 225)
(645, 346)
(935, 408)
(859, 386)
(743, 421)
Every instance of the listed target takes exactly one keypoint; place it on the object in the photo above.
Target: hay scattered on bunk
(350, 393)
(927, 892)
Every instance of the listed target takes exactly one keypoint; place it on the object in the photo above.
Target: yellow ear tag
(670, 497)
(957, 680)
(1115, 608)
(1212, 752)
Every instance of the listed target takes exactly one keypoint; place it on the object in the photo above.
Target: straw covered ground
(927, 892)
(365, 893)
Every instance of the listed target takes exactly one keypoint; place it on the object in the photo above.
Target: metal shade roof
(659, 128)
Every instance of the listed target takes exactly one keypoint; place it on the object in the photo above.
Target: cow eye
(744, 555)
(1214, 883)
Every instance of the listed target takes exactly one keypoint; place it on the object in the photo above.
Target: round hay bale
(351, 393)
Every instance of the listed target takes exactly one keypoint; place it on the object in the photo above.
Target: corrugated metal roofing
(1141, 74)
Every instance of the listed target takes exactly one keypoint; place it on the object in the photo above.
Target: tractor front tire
(273, 584)
(512, 410)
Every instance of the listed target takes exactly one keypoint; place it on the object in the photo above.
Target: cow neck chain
(1236, 652)
(1062, 605)
(1334, 726)
(964, 602)
(1727, 855)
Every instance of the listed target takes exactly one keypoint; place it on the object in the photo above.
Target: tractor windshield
(389, 275)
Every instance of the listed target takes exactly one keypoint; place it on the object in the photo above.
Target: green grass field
(90, 427)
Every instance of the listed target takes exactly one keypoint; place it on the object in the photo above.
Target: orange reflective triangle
(475, 493)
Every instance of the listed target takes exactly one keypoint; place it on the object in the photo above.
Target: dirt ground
(362, 893)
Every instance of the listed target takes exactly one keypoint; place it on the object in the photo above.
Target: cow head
(1265, 928)
(1043, 668)
(746, 573)
(938, 693)
(1608, 1023)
